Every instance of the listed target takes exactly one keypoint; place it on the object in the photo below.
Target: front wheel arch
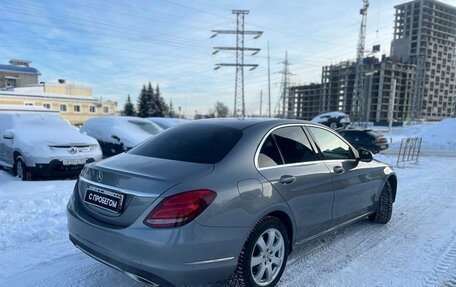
(393, 181)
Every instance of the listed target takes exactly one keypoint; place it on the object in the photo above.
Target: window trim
(94, 109)
(103, 110)
(312, 142)
(257, 152)
(47, 103)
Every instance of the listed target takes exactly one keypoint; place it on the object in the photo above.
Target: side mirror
(365, 155)
(8, 135)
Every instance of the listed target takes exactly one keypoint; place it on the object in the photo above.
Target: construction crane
(359, 95)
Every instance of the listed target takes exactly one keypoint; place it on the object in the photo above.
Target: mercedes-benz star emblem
(99, 176)
(73, 150)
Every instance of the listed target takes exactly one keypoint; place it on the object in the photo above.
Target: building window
(47, 105)
(63, 108)
(29, 104)
(77, 108)
(92, 109)
(106, 110)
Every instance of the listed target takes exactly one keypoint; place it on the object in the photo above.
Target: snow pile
(436, 136)
(441, 136)
(32, 211)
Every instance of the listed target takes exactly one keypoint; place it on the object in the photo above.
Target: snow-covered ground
(438, 137)
(416, 248)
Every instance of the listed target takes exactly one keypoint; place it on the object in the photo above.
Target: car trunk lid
(119, 189)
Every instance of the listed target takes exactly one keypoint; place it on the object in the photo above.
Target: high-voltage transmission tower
(240, 32)
(359, 94)
(287, 105)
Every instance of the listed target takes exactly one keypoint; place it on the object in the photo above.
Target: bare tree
(221, 110)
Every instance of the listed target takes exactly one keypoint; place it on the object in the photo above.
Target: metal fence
(409, 152)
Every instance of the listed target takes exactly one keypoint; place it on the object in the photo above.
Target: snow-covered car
(333, 120)
(118, 134)
(166, 123)
(45, 145)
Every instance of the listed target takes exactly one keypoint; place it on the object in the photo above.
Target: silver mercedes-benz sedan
(224, 198)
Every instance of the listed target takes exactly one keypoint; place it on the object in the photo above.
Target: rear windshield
(192, 143)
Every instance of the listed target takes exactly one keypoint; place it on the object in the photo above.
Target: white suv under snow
(44, 144)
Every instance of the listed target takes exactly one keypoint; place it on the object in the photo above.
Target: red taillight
(180, 209)
(382, 141)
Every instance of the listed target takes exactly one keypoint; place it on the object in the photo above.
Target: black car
(367, 139)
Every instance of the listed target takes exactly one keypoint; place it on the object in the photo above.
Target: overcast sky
(115, 46)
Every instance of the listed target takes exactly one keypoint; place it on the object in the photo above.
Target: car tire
(262, 261)
(20, 170)
(384, 207)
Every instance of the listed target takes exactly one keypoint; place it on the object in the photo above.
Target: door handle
(338, 169)
(287, 179)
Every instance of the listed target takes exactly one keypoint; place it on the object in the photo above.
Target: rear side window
(191, 143)
(294, 145)
(331, 145)
(269, 154)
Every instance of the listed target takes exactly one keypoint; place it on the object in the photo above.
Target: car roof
(243, 123)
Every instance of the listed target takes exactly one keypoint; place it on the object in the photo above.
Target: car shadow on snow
(307, 251)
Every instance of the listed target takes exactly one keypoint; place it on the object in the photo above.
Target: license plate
(105, 199)
(383, 146)
(74, 161)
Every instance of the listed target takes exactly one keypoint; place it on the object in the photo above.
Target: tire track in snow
(444, 273)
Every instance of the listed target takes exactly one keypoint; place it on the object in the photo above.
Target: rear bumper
(167, 257)
(133, 272)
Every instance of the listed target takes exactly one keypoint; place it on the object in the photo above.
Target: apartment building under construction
(422, 67)
(425, 35)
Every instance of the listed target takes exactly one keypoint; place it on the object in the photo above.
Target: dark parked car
(222, 198)
(333, 120)
(367, 139)
(118, 134)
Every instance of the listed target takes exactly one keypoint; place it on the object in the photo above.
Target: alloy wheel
(267, 257)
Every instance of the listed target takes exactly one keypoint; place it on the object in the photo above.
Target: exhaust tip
(140, 279)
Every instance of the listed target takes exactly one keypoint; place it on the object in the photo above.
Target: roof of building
(19, 69)
(52, 96)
